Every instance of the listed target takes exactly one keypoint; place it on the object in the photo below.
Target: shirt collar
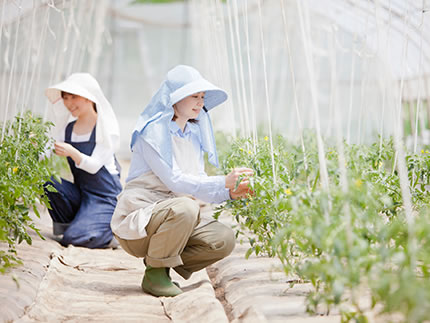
(189, 128)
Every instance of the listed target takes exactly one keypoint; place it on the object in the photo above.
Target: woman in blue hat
(87, 133)
(158, 216)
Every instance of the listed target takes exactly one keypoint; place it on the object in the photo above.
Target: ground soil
(74, 284)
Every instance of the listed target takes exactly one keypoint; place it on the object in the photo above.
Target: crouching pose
(87, 133)
(157, 216)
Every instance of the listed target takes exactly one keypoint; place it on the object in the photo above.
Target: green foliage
(342, 241)
(265, 213)
(21, 183)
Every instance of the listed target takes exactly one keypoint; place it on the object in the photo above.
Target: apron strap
(69, 130)
(93, 134)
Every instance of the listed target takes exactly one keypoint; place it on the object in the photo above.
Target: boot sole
(160, 293)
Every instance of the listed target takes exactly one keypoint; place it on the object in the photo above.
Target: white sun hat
(85, 85)
(153, 123)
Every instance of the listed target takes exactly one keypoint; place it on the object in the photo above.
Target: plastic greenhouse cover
(386, 27)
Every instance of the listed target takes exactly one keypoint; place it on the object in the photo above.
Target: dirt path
(76, 284)
(103, 285)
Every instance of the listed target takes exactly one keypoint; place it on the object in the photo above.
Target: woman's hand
(67, 150)
(242, 189)
(241, 192)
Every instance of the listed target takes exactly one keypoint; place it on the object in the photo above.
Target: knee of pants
(187, 209)
(227, 237)
(89, 239)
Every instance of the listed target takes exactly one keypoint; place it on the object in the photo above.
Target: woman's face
(189, 107)
(77, 105)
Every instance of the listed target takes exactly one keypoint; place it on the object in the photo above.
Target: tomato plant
(21, 183)
(343, 241)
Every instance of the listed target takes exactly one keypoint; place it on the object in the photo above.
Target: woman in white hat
(87, 133)
(157, 216)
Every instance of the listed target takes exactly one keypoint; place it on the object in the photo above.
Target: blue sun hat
(153, 123)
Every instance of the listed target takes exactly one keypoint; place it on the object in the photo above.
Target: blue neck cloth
(153, 122)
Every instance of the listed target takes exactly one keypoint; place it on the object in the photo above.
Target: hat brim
(54, 92)
(213, 95)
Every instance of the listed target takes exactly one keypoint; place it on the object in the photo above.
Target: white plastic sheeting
(41, 42)
(288, 65)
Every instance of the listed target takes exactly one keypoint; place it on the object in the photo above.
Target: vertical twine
(266, 89)
(12, 70)
(304, 28)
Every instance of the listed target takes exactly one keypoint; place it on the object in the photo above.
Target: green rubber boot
(157, 282)
(168, 274)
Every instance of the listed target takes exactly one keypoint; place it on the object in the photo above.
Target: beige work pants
(174, 241)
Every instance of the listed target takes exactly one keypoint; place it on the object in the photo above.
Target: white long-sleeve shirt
(101, 156)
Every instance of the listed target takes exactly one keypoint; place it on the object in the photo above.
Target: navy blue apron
(85, 207)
